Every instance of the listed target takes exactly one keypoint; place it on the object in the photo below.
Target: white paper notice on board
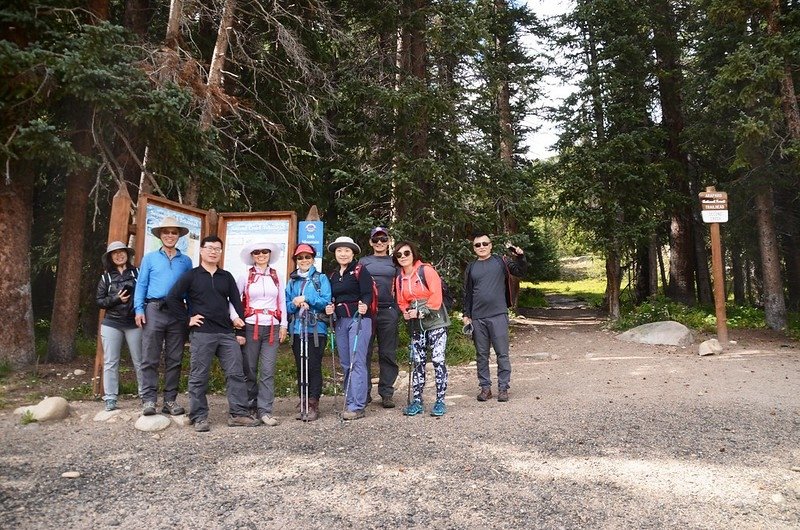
(715, 216)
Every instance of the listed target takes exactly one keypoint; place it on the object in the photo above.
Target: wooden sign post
(714, 209)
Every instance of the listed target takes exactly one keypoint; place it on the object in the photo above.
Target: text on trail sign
(714, 206)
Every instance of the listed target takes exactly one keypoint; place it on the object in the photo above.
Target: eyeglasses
(261, 251)
(170, 232)
(380, 239)
(403, 254)
(214, 250)
(304, 257)
(480, 244)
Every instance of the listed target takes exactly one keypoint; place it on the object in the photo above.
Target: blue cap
(378, 230)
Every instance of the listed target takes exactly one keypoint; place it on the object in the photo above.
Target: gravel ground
(598, 433)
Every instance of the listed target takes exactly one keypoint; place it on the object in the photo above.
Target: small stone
(71, 474)
(709, 347)
(778, 498)
(152, 423)
(52, 408)
(79, 372)
(796, 468)
(182, 420)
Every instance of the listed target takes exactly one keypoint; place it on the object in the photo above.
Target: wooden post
(118, 230)
(719, 281)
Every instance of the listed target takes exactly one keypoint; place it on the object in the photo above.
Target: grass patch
(590, 290)
(701, 318)
(5, 369)
(27, 418)
(793, 326)
(81, 392)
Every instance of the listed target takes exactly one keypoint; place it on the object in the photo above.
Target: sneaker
(352, 415)
(388, 402)
(148, 408)
(413, 408)
(486, 394)
(502, 395)
(202, 425)
(111, 404)
(172, 408)
(439, 408)
(242, 421)
(268, 420)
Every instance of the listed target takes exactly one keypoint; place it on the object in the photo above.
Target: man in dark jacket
(383, 271)
(487, 311)
(208, 291)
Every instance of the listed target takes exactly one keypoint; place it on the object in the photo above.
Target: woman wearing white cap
(352, 287)
(265, 325)
(115, 295)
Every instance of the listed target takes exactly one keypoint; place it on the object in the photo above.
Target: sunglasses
(304, 256)
(480, 244)
(403, 254)
(261, 251)
(380, 239)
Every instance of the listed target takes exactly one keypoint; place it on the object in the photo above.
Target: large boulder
(52, 408)
(669, 333)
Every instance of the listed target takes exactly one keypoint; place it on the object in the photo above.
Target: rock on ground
(52, 408)
(709, 347)
(152, 423)
(668, 333)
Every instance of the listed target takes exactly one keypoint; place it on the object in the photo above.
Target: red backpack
(249, 311)
(373, 307)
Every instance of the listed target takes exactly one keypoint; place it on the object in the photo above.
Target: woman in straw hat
(115, 294)
(263, 297)
(352, 288)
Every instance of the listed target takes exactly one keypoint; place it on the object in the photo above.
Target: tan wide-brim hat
(116, 245)
(344, 241)
(274, 252)
(169, 222)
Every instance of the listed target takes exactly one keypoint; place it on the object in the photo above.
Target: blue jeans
(112, 349)
(352, 341)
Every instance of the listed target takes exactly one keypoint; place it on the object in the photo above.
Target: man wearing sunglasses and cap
(383, 271)
(158, 272)
(486, 310)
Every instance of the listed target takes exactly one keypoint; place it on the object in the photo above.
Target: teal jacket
(317, 291)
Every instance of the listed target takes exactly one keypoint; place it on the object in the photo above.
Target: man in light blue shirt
(158, 272)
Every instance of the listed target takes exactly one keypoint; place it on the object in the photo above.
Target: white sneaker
(266, 419)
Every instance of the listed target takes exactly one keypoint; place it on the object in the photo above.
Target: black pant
(314, 364)
(386, 331)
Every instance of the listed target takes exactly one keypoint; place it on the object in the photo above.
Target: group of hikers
(242, 322)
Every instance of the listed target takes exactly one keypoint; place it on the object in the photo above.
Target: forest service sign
(714, 206)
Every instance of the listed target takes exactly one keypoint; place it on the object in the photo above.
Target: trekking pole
(333, 364)
(352, 361)
(303, 365)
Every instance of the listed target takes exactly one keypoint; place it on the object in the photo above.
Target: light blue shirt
(157, 275)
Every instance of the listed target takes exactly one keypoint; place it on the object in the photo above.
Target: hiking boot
(172, 408)
(269, 420)
(111, 404)
(242, 421)
(486, 394)
(413, 408)
(388, 402)
(148, 408)
(349, 415)
(502, 395)
(202, 425)
(313, 410)
(439, 408)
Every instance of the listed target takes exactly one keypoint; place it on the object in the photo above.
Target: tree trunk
(613, 278)
(16, 311)
(704, 291)
(774, 304)
(652, 256)
(738, 270)
(137, 16)
(173, 38)
(214, 88)
(670, 79)
(66, 299)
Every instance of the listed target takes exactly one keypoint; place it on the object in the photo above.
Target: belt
(151, 300)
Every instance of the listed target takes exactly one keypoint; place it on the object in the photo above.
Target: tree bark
(136, 16)
(173, 37)
(613, 278)
(774, 303)
(17, 348)
(738, 270)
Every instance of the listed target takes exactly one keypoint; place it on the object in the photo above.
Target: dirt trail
(598, 433)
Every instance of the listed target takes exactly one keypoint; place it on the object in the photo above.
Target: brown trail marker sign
(714, 209)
